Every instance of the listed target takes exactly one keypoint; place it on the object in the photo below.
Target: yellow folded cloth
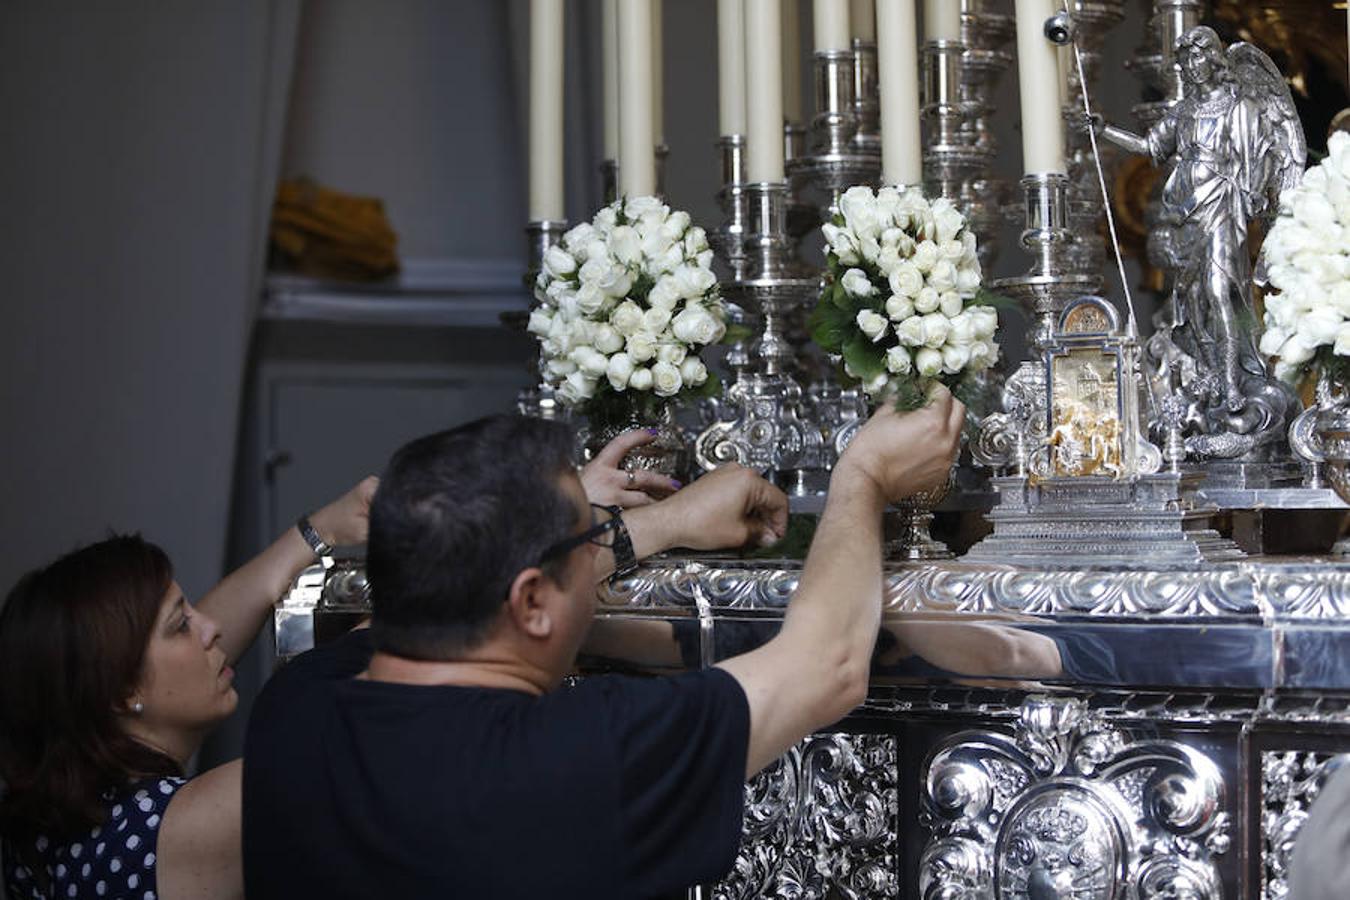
(323, 232)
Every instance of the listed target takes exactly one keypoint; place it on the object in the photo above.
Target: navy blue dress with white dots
(115, 860)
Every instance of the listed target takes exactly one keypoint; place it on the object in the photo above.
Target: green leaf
(841, 299)
(738, 334)
(863, 357)
(829, 326)
(986, 297)
(910, 392)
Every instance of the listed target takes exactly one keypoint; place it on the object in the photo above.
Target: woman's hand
(347, 519)
(608, 483)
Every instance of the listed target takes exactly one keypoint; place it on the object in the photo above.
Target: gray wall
(129, 170)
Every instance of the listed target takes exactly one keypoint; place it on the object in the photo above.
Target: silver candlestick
(951, 155)
(728, 239)
(834, 161)
(987, 29)
(866, 102)
(539, 401)
(768, 431)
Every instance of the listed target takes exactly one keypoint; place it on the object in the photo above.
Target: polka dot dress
(115, 860)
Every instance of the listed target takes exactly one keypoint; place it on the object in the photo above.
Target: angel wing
(1260, 80)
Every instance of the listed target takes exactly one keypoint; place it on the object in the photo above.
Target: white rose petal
(899, 308)
(1342, 345)
(637, 207)
(540, 320)
(606, 339)
(558, 262)
(951, 304)
(1295, 351)
(579, 237)
(872, 324)
(619, 370)
(559, 368)
(626, 318)
(857, 284)
(640, 380)
(625, 245)
(906, 279)
(962, 329)
(928, 362)
(968, 278)
(899, 361)
(985, 321)
(655, 320)
(942, 277)
(577, 388)
(665, 294)
(694, 281)
(590, 299)
(877, 385)
(695, 325)
(590, 361)
(953, 251)
(936, 327)
(925, 256)
(910, 331)
(927, 300)
(666, 379)
(1319, 326)
(673, 353)
(693, 371)
(616, 281)
(955, 357)
(641, 346)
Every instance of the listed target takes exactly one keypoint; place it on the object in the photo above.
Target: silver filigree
(1087, 825)
(1290, 782)
(821, 821)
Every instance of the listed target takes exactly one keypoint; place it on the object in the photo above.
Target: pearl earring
(138, 707)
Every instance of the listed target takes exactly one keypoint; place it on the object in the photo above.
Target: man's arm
(815, 670)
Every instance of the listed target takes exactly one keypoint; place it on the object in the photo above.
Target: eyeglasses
(604, 520)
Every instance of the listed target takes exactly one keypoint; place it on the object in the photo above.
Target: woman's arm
(200, 855)
(242, 601)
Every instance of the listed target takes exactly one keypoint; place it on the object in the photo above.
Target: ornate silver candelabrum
(766, 428)
(1044, 291)
(951, 153)
(834, 160)
(866, 103)
(986, 30)
(540, 400)
(728, 239)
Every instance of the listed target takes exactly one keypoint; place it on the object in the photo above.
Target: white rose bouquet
(626, 302)
(1306, 256)
(901, 303)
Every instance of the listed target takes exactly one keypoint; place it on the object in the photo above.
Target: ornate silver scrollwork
(821, 821)
(1290, 782)
(1069, 806)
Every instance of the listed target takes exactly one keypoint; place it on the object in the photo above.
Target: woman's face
(186, 684)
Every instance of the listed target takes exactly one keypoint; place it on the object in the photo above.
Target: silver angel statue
(1235, 143)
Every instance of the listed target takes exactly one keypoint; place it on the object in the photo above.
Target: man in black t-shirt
(433, 755)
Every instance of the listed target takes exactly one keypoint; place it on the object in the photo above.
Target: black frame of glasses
(591, 535)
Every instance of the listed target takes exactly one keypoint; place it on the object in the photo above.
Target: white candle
(658, 75)
(942, 20)
(1038, 88)
(898, 69)
(731, 66)
(546, 111)
(830, 23)
(862, 18)
(637, 137)
(764, 90)
(609, 65)
(792, 61)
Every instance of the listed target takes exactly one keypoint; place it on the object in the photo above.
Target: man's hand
(347, 519)
(608, 483)
(729, 507)
(901, 454)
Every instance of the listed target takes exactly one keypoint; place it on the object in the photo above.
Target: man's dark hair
(456, 517)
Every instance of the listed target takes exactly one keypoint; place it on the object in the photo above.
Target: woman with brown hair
(109, 681)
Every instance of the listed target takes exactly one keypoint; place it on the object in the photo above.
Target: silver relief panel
(1068, 806)
(1290, 782)
(821, 821)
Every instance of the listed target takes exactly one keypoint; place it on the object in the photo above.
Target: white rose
(953, 251)
(560, 333)
(888, 259)
(877, 385)
(898, 361)
(675, 226)
(625, 245)
(590, 298)
(1274, 337)
(982, 355)
(1314, 210)
(626, 318)
(576, 388)
(640, 380)
(1342, 345)
(593, 270)
(1320, 326)
(841, 243)
(857, 284)
(616, 281)
(899, 308)
(666, 379)
(654, 243)
(590, 361)
(606, 339)
(968, 278)
(906, 279)
(985, 320)
(925, 256)
(693, 371)
(962, 330)
(955, 357)
(948, 219)
(619, 370)
(858, 203)
(1296, 351)
(936, 327)
(579, 237)
(637, 207)
(641, 346)
(951, 304)
(559, 368)
(665, 293)
(695, 325)
(910, 331)
(873, 324)
(667, 261)
(704, 259)
(695, 241)
(888, 202)
(693, 281)
(928, 362)
(540, 321)
(869, 248)
(558, 262)
(673, 353)
(606, 218)
(942, 277)
(655, 320)
(927, 300)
